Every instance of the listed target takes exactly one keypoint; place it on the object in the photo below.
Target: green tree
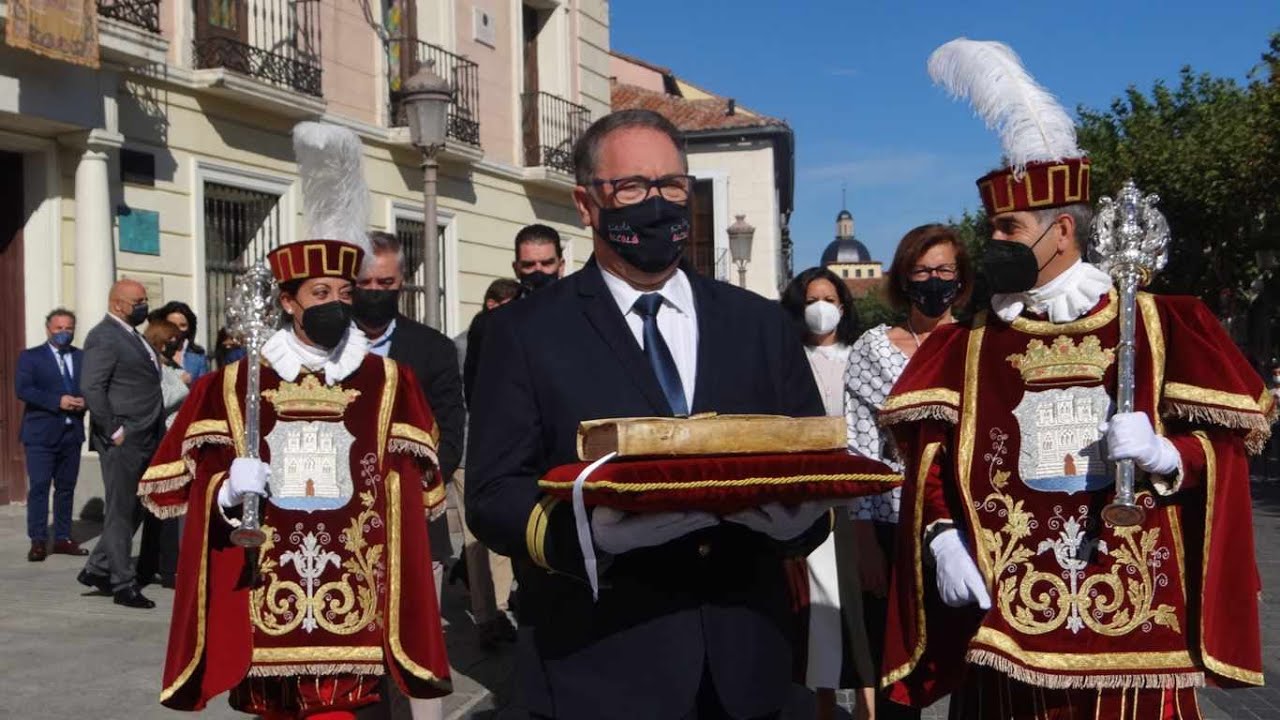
(1210, 148)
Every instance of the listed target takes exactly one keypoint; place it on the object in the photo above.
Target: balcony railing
(551, 127)
(406, 56)
(144, 14)
(277, 41)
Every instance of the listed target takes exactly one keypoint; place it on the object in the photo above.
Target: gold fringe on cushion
(922, 412)
(1159, 681)
(1255, 425)
(317, 669)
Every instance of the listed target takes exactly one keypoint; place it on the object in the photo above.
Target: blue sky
(849, 76)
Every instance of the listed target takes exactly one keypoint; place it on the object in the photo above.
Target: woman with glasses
(930, 275)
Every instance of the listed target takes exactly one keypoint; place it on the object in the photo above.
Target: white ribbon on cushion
(583, 523)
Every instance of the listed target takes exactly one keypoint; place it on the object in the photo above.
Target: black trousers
(158, 553)
(706, 707)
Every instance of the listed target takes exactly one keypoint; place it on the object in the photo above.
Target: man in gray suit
(121, 385)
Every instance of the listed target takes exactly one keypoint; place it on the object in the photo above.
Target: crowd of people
(990, 575)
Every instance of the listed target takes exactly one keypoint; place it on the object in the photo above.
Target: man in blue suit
(692, 618)
(48, 381)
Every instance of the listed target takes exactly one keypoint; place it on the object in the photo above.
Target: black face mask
(171, 348)
(933, 296)
(649, 236)
(326, 324)
(537, 280)
(138, 314)
(375, 308)
(1011, 267)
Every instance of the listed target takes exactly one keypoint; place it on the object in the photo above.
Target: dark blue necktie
(655, 348)
(66, 374)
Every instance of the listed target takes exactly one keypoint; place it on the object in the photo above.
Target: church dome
(846, 250)
(844, 215)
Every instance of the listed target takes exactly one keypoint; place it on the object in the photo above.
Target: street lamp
(740, 236)
(426, 97)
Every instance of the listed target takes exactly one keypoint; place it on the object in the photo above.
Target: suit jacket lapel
(132, 339)
(712, 327)
(603, 314)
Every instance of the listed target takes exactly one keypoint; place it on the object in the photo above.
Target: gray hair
(1081, 213)
(586, 152)
(385, 242)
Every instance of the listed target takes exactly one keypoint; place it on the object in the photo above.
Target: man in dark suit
(692, 619)
(48, 381)
(539, 262)
(121, 382)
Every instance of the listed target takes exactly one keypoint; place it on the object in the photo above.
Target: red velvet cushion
(723, 483)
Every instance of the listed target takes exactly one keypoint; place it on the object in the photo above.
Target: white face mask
(821, 317)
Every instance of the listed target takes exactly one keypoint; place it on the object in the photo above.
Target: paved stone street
(68, 653)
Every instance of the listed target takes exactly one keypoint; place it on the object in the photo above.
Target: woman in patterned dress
(837, 654)
(930, 275)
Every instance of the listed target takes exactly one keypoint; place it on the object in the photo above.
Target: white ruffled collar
(288, 355)
(1064, 299)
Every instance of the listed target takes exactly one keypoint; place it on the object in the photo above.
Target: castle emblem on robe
(1062, 449)
(310, 465)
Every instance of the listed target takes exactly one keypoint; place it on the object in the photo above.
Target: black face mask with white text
(649, 236)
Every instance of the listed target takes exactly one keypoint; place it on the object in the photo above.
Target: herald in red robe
(987, 418)
(344, 591)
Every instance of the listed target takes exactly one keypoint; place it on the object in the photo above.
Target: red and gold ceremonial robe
(343, 591)
(999, 424)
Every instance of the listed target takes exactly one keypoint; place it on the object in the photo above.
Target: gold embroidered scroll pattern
(1114, 602)
(339, 606)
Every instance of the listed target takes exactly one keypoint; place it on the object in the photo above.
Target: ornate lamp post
(740, 236)
(426, 102)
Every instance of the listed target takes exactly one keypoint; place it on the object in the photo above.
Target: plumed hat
(1044, 167)
(335, 202)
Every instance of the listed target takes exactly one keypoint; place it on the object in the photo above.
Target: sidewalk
(71, 654)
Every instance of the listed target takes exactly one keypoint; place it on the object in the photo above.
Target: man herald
(1037, 606)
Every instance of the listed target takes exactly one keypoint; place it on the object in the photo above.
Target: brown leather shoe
(38, 552)
(68, 547)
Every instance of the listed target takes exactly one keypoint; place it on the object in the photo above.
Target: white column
(95, 241)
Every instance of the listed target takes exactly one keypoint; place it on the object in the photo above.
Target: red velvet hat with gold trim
(1044, 166)
(335, 202)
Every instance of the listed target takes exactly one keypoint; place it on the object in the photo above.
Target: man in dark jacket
(48, 382)
(692, 618)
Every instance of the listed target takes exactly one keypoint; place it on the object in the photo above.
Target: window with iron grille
(413, 296)
(240, 227)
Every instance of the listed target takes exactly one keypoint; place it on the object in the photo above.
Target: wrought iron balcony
(273, 40)
(144, 14)
(551, 127)
(406, 56)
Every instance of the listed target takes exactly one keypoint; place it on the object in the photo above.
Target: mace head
(252, 306)
(1130, 236)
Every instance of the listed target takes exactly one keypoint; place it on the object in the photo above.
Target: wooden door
(532, 144)
(701, 249)
(13, 477)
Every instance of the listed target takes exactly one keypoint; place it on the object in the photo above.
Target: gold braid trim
(202, 593)
(1156, 681)
(163, 512)
(317, 669)
(741, 482)
(166, 470)
(1257, 429)
(409, 447)
(203, 427)
(413, 433)
(917, 518)
(922, 412)
(535, 534)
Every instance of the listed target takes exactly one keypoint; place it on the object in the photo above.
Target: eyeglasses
(923, 272)
(635, 189)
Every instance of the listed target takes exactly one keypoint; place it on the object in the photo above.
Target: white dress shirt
(381, 345)
(677, 321)
(134, 332)
(63, 360)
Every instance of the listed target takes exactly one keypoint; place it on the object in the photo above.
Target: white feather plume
(335, 197)
(1032, 126)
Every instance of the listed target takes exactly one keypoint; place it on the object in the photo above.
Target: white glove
(1131, 437)
(616, 532)
(959, 582)
(778, 521)
(247, 476)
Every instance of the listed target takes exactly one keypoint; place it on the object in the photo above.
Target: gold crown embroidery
(1063, 360)
(310, 397)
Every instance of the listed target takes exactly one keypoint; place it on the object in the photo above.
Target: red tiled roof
(687, 115)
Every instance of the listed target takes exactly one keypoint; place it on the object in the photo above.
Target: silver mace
(251, 316)
(1130, 239)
